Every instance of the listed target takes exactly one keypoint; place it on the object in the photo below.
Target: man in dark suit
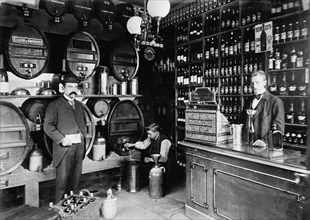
(65, 124)
(269, 110)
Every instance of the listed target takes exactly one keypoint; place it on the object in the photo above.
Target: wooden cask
(14, 137)
(125, 121)
(82, 55)
(27, 51)
(124, 60)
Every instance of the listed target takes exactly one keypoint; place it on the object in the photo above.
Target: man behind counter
(270, 110)
(65, 124)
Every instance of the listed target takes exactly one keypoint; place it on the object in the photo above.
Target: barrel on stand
(82, 10)
(55, 9)
(99, 107)
(14, 137)
(105, 11)
(27, 51)
(124, 60)
(82, 55)
(125, 122)
(32, 108)
(124, 12)
(90, 133)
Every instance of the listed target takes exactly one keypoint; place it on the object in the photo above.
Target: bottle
(301, 115)
(296, 32)
(36, 159)
(302, 88)
(271, 60)
(4, 80)
(38, 123)
(276, 38)
(300, 59)
(293, 58)
(289, 33)
(247, 40)
(292, 88)
(290, 115)
(263, 39)
(283, 85)
(278, 61)
(284, 60)
(273, 88)
(283, 34)
(99, 146)
(304, 29)
(277, 138)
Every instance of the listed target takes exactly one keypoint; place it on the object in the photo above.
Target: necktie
(258, 96)
(72, 103)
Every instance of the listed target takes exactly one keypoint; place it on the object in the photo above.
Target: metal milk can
(156, 177)
(99, 147)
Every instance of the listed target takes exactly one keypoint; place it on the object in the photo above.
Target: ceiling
(141, 2)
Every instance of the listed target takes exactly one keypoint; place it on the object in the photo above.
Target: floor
(138, 205)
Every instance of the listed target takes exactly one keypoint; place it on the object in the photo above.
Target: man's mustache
(71, 93)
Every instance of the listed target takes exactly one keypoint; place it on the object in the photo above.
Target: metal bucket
(133, 174)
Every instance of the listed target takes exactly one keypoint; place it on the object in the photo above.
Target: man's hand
(128, 145)
(66, 142)
(148, 160)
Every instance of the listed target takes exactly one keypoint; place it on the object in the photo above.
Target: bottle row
(282, 7)
(230, 86)
(295, 137)
(288, 58)
(165, 64)
(180, 118)
(289, 83)
(190, 9)
(291, 31)
(230, 105)
(183, 97)
(296, 112)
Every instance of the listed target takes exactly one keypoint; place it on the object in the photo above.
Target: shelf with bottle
(253, 12)
(296, 139)
(230, 17)
(182, 55)
(211, 50)
(211, 22)
(292, 31)
(295, 112)
(230, 85)
(195, 30)
(182, 33)
(283, 9)
(230, 44)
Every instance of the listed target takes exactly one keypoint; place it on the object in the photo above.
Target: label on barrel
(27, 40)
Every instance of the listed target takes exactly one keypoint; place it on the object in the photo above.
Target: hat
(69, 79)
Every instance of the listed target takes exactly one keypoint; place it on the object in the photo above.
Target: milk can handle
(163, 168)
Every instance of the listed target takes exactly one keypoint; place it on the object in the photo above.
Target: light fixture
(141, 25)
(158, 9)
(134, 27)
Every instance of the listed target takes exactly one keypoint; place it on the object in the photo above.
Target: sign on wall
(263, 37)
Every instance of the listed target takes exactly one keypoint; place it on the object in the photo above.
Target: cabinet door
(198, 184)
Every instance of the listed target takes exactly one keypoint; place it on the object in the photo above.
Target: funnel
(156, 158)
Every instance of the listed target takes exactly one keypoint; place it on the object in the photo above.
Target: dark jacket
(61, 119)
(270, 110)
(154, 148)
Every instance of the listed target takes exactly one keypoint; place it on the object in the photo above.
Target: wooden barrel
(27, 51)
(124, 60)
(34, 107)
(82, 10)
(14, 137)
(82, 55)
(124, 11)
(125, 121)
(100, 107)
(90, 133)
(55, 9)
(105, 11)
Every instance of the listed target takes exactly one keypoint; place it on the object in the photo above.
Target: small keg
(114, 89)
(134, 86)
(124, 88)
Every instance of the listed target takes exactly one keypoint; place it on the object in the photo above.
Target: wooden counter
(239, 182)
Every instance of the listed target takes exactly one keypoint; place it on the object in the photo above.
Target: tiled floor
(131, 206)
(141, 206)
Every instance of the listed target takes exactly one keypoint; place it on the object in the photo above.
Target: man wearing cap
(269, 110)
(65, 124)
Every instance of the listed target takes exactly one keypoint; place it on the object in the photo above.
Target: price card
(263, 37)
